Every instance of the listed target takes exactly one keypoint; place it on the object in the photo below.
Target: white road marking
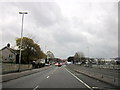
(95, 87)
(48, 76)
(80, 80)
(36, 87)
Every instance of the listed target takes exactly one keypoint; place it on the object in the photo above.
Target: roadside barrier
(9, 67)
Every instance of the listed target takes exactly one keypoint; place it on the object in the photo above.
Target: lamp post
(88, 52)
(23, 13)
(88, 56)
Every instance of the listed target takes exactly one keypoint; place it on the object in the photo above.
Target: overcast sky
(64, 26)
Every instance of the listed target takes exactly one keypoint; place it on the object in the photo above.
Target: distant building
(9, 55)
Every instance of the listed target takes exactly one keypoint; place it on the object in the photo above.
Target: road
(55, 77)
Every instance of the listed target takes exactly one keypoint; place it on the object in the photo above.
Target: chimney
(8, 45)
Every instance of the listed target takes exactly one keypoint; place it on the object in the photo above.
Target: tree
(30, 50)
(79, 57)
(50, 54)
(42, 55)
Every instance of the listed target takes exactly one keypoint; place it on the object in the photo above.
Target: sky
(63, 27)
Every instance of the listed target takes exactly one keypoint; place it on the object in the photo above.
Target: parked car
(47, 64)
(79, 63)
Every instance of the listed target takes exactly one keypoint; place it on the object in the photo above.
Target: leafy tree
(50, 54)
(30, 50)
(42, 55)
(79, 57)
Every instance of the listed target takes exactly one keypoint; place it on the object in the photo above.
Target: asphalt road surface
(56, 77)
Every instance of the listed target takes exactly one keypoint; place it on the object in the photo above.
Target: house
(9, 55)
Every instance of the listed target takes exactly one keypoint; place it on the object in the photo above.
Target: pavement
(11, 76)
(104, 75)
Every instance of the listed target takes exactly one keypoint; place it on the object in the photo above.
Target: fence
(107, 66)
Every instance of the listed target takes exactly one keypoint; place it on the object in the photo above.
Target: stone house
(9, 55)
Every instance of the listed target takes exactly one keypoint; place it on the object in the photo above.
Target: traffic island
(98, 76)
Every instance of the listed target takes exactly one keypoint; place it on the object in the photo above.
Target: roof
(10, 49)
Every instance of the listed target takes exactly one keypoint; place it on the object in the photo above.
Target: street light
(88, 52)
(23, 13)
(88, 56)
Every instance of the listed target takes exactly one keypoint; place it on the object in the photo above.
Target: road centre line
(48, 76)
(36, 87)
(95, 87)
(80, 80)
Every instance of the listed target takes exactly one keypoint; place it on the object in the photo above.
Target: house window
(10, 55)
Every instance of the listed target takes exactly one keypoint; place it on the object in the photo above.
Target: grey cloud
(43, 13)
(95, 27)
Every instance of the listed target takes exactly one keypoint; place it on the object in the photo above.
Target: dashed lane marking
(95, 87)
(80, 80)
(36, 87)
(48, 76)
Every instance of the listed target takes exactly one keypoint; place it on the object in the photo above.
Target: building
(9, 55)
